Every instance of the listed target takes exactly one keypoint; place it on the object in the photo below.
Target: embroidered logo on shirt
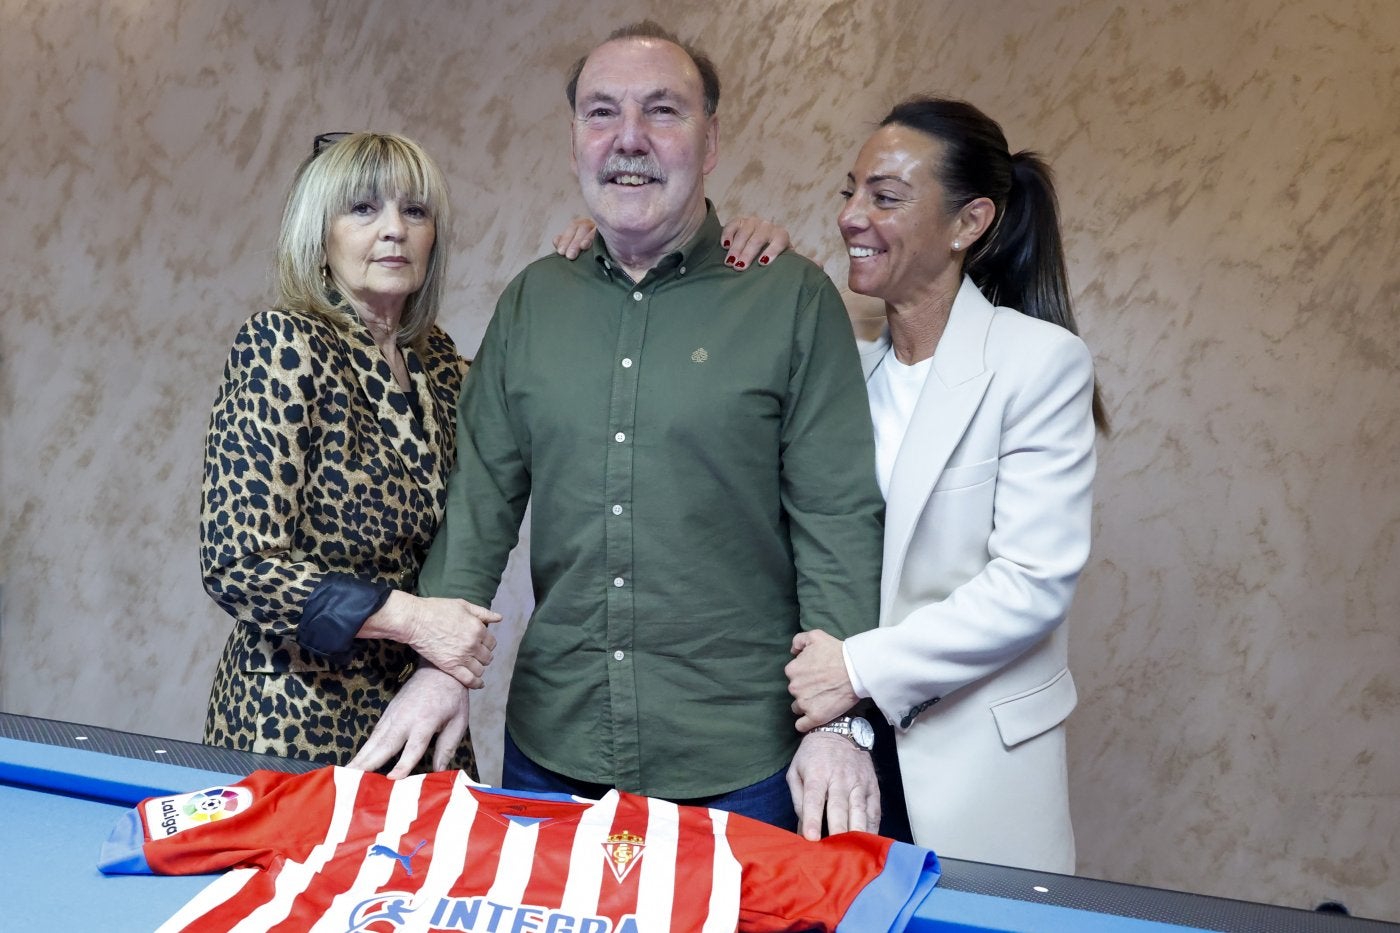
(167, 816)
(623, 851)
(699, 356)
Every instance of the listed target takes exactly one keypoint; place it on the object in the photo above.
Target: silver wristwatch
(852, 727)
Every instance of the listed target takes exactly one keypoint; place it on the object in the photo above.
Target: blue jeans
(769, 800)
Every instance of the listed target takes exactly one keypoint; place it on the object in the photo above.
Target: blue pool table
(63, 786)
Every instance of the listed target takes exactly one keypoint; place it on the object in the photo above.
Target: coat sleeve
(1039, 543)
(260, 435)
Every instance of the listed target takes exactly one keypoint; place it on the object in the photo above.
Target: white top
(894, 392)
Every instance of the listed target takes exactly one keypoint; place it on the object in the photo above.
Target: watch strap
(843, 725)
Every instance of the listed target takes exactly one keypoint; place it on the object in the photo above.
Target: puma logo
(404, 860)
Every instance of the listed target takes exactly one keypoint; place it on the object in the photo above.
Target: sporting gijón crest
(623, 851)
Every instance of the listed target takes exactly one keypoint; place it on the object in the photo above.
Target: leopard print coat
(316, 463)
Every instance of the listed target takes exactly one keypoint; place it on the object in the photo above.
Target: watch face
(862, 732)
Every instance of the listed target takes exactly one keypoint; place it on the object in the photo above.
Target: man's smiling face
(642, 144)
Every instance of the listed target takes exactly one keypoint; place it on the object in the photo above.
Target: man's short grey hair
(650, 29)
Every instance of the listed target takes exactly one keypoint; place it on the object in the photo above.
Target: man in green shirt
(697, 449)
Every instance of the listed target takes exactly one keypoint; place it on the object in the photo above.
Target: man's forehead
(641, 68)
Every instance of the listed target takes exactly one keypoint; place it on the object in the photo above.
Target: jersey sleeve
(246, 824)
(849, 883)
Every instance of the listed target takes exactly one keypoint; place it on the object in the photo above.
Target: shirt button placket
(621, 595)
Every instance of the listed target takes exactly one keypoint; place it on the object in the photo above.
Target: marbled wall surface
(1230, 179)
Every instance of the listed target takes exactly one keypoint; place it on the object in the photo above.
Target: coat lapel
(954, 389)
(402, 432)
(429, 435)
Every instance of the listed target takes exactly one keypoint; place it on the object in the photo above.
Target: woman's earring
(957, 245)
(325, 278)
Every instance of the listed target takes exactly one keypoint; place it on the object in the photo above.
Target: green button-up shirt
(699, 452)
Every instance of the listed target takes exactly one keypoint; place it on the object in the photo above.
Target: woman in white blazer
(984, 420)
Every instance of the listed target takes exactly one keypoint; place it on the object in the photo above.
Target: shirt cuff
(852, 676)
(335, 611)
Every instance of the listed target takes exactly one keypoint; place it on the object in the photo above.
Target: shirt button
(636, 296)
(619, 437)
(682, 270)
(617, 655)
(617, 510)
(627, 362)
(617, 581)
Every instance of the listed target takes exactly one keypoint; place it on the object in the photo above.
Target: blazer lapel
(430, 434)
(954, 389)
(390, 404)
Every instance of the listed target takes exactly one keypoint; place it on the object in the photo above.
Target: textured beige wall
(1230, 176)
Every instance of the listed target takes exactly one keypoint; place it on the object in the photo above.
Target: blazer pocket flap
(971, 474)
(1028, 714)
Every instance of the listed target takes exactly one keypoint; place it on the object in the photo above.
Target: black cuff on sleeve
(334, 612)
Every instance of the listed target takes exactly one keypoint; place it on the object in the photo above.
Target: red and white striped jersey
(350, 852)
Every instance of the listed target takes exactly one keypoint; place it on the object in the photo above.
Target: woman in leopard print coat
(325, 472)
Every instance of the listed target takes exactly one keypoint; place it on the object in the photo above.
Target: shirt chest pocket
(965, 476)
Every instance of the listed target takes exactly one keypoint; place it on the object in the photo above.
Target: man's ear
(712, 145)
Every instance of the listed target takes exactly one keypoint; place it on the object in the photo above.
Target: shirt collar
(701, 248)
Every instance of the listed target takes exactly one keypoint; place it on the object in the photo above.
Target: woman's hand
(450, 634)
(746, 238)
(750, 238)
(576, 238)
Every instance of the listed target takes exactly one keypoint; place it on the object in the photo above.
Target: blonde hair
(361, 166)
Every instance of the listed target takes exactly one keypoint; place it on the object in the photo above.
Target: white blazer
(986, 531)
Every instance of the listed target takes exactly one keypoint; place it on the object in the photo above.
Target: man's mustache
(630, 165)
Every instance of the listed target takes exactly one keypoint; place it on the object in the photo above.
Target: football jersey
(350, 852)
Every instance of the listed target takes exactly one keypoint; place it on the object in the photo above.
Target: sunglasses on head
(325, 140)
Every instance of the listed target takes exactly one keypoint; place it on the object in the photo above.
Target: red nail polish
(725, 244)
(729, 260)
(763, 260)
(739, 264)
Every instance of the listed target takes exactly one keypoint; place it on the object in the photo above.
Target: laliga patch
(166, 816)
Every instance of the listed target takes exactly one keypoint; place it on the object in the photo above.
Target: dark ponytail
(1020, 261)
